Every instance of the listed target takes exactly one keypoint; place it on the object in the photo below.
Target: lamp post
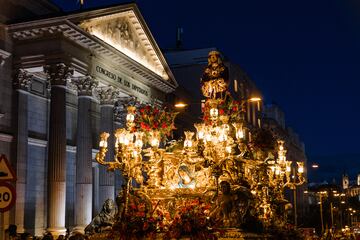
(332, 214)
(298, 180)
(321, 193)
(337, 197)
(342, 205)
(321, 215)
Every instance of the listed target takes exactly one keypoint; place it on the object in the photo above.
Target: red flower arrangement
(188, 220)
(191, 220)
(151, 118)
(139, 222)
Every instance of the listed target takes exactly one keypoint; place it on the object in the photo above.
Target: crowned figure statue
(215, 79)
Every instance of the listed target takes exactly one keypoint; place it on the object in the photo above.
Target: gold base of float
(170, 203)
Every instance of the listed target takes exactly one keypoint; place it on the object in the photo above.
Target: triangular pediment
(127, 33)
(117, 35)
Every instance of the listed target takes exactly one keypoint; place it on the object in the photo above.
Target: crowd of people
(12, 234)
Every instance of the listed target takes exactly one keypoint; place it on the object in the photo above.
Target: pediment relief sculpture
(126, 36)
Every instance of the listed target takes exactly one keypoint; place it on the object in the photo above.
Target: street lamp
(298, 179)
(180, 105)
(315, 165)
(321, 193)
(254, 99)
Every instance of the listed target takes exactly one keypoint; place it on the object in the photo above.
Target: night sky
(303, 55)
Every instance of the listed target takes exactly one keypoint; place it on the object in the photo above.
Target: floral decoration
(188, 220)
(139, 222)
(151, 118)
(191, 220)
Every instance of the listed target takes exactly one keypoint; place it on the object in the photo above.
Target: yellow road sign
(7, 196)
(6, 171)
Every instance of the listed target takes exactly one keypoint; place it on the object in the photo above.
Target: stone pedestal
(21, 81)
(58, 75)
(84, 181)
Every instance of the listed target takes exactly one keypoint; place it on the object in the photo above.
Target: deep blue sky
(304, 55)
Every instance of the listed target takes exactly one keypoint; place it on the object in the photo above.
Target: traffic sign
(7, 196)
(6, 171)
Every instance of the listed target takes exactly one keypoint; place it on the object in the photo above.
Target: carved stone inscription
(130, 85)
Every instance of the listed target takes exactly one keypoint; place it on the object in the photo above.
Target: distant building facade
(61, 76)
(339, 203)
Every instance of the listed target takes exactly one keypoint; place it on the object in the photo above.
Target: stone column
(120, 112)
(108, 96)
(58, 75)
(21, 81)
(83, 190)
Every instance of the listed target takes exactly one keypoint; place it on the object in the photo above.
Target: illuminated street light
(180, 105)
(315, 165)
(255, 99)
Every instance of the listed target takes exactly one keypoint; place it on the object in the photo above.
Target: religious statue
(232, 205)
(104, 220)
(156, 170)
(215, 79)
(186, 180)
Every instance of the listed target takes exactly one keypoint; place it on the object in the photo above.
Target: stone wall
(36, 190)
(70, 188)
(37, 116)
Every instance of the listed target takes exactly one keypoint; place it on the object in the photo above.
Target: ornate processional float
(214, 183)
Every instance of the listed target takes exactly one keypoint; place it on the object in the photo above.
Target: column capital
(58, 74)
(3, 56)
(119, 113)
(108, 95)
(120, 108)
(22, 79)
(85, 85)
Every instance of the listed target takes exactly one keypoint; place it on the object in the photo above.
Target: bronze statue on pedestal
(104, 220)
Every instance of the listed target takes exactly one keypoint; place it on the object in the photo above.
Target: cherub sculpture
(232, 205)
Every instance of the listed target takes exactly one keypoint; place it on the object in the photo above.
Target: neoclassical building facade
(61, 79)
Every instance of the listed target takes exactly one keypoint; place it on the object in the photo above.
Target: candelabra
(128, 157)
(284, 175)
